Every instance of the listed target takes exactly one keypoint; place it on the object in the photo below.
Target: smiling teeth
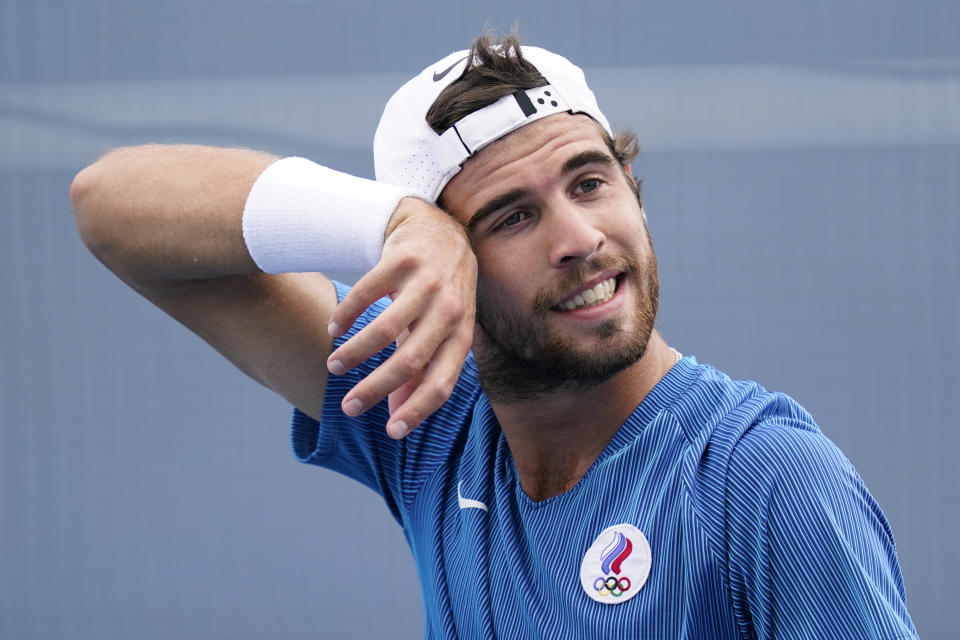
(599, 294)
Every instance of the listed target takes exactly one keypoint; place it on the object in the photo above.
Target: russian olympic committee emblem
(616, 565)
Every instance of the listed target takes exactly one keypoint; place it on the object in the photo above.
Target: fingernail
(336, 367)
(333, 329)
(400, 429)
(353, 408)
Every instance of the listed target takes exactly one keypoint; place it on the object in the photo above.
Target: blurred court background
(801, 179)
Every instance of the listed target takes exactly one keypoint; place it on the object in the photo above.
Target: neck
(556, 437)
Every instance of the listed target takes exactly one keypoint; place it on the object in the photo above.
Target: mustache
(580, 273)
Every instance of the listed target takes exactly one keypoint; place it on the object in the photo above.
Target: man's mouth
(590, 296)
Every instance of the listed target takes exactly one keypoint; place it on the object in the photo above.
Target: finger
(377, 283)
(441, 322)
(401, 394)
(433, 391)
(382, 331)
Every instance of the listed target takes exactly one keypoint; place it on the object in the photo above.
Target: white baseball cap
(408, 153)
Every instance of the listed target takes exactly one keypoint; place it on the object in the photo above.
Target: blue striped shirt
(753, 523)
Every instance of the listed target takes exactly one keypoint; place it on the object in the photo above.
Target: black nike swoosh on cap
(437, 77)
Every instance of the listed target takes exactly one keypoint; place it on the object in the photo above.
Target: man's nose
(574, 234)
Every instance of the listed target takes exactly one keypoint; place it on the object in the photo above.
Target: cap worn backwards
(407, 152)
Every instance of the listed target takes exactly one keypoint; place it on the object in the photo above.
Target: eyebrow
(492, 206)
(576, 162)
(584, 158)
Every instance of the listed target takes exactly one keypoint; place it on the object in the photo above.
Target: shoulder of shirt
(726, 420)
(717, 409)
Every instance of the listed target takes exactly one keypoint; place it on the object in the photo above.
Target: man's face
(567, 285)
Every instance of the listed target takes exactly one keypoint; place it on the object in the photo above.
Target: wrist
(400, 213)
(413, 208)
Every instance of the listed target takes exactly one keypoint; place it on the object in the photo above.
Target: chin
(524, 357)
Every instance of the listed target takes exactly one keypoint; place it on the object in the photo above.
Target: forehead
(524, 158)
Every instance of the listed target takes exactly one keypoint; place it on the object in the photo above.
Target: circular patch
(616, 565)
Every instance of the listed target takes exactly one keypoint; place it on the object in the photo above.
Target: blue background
(800, 170)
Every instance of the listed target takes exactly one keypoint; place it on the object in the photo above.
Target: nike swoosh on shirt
(438, 76)
(466, 503)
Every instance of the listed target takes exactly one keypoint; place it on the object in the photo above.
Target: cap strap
(478, 129)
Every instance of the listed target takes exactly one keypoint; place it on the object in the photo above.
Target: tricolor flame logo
(615, 553)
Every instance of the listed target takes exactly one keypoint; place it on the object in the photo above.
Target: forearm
(160, 214)
(251, 243)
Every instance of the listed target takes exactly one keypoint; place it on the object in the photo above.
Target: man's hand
(429, 270)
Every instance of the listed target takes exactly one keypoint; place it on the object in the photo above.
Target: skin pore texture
(567, 294)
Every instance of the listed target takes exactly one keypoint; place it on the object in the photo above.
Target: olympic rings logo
(611, 586)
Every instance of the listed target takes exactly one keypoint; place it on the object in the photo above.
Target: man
(573, 476)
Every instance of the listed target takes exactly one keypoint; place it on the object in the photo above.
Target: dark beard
(518, 358)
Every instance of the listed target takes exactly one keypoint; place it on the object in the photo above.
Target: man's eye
(514, 218)
(591, 184)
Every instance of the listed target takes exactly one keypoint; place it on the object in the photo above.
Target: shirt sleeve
(360, 447)
(810, 552)
(356, 447)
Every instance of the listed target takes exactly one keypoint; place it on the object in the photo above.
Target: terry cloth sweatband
(302, 217)
(407, 152)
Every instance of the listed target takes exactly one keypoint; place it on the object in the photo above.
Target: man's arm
(810, 553)
(168, 221)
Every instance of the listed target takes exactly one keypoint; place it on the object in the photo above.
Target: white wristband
(300, 217)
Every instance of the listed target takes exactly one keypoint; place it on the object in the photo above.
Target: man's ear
(643, 212)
